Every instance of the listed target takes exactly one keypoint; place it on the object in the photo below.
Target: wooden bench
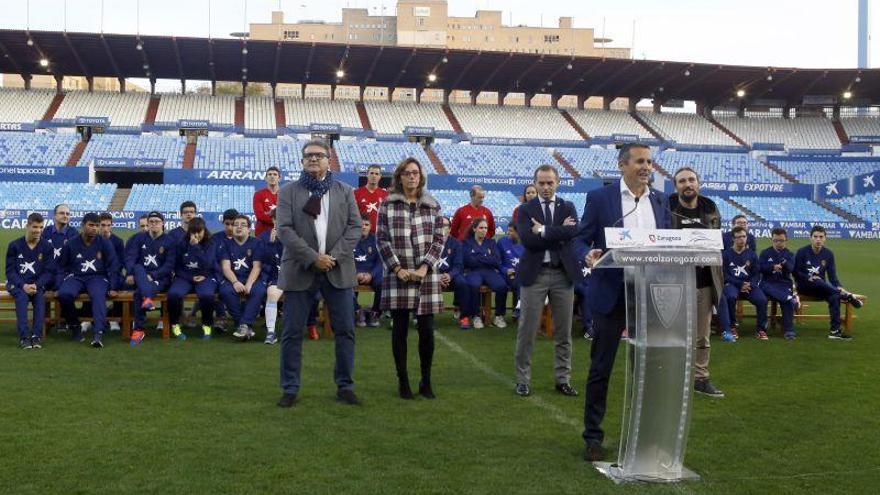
(774, 314)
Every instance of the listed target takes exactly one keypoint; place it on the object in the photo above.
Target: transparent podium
(661, 306)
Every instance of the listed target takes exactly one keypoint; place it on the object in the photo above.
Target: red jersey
(368, 202)
(461, 222)
(264, 202)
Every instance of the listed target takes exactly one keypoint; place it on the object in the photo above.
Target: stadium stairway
(638, 118)
(566, 165)
(663, 171)
(435, 160)
(152, 110)
(280, 115)
(76, 154)
(189, 155)
(453, 120)
(362, 113)
(239, 113)
(727, 131)
(838, 211)
(53, 107)
(120, 197)
(841, 132)
(747, 211)
(781, 172)
(577, 127)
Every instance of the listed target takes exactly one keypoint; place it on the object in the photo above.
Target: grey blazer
(299, 237)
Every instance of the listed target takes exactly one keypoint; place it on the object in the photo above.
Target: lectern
(659, 269)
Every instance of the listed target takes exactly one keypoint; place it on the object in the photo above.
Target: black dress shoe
(522, 390)
(404, 390)
(287, 400)
(347, 396)
(565, 389)
(594, 452)
(425, 390)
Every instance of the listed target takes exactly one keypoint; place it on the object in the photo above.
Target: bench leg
(166, 322)
(325, 317)
(772, 318)
(847, 318)
(126, 320)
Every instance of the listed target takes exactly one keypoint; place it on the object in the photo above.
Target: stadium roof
(220, 59)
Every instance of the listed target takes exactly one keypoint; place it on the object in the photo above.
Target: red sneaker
(313, 332)
(137, 336)
(465, 323)
(148, 304)
(761, 335)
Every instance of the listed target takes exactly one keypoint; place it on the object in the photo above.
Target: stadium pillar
(243, 89)
(274, 87)
(582, 99)
(835, 112)
(332, 92)
(152, 87)
(657, 106)
(58, 85)
(419, 92)
(183, 86)
(554, 101)
(390, 94)
(446, 96)
(501, 96)
(121, 85)
(213, 88)
(741, 111)
(630, 105)
(786, 111)
(474, 95)
(528, 101)
(701, 108)
(302, 92)
(27, 80)
(91, 81)
(607, 100)
(361, 91)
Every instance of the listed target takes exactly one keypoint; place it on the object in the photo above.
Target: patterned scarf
(317, 188)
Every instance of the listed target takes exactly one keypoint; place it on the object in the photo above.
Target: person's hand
(366, 277)
(536, 227)
(238, 287)
(199, 278)
(112, 293)
(569, 221)
(592, 257)
(815, 278)
(248, 287)
(511, 272)
(403, 275)
(777, 267)
(129, 280)
(192, 241)
(149, 277)
(746, 287)
(444, 280)
(324, 263)
(419, 274)
(29, 289)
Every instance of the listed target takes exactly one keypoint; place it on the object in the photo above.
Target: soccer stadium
(136, 125)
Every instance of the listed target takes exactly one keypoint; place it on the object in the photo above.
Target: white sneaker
(85, 326)
(499, 322)
(478, 322)
(270, 338)
(114, 326)
(160, 325)
(250, 332)
(241, 332)
(456, 314)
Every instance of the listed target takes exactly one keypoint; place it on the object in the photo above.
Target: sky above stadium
(783, 33)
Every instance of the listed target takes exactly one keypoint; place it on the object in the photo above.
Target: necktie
(548, 221)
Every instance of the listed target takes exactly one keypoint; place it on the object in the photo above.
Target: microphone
(630, 212)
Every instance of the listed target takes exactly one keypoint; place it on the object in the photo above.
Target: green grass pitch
(200, 417)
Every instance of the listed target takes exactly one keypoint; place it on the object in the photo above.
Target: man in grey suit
(319, 225)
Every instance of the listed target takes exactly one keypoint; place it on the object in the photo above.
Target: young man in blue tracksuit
(742, 280)
(188, 211)
(777, 264)
(271, 268)
(149, 262)
(451, 265)
(482, 265)
(816, 275)
(57, 235)
(242, 263)
(88, 262)
(739, 221)
(511, 251)
(29, 270)
(369, 268)
(193, 273)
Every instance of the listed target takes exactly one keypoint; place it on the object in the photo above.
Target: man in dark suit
(628, 203)
(319, 225)
(548, 268)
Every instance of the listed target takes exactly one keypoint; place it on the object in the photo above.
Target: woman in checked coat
(409, 233)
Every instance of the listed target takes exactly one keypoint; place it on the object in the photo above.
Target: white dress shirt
(321, 223)
(643, 217)
(547, 221)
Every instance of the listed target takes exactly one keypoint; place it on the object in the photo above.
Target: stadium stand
(592, 161)
(167, 197)
(36, 149)
(819, 171)
(24, 106)
(259, 113)
(299, 112)
(727, 210)
(251, 154)
(514, 122)
(123, 109)
(783, 209)
(168, 148)
(503, 161)
(719, 167)
(218, 110)
(356, 156)
(393, 118)
(796, 133)
(607, 123)
(861, 126)
(687, 129)
(866, 206)
(79, 196)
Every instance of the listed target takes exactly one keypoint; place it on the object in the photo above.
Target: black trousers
(399, 330)
(607, 328)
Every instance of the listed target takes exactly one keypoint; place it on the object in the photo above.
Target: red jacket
(368, 202)
(264, 202)
(461, 222)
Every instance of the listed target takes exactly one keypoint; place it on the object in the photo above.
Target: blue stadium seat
(79, 196)
(249, 154)
(820, 172)
(504, 161)
(23, 149)
(779, 209)
(719, 167)
(356, 156)
(167, 197)
(168, 148)
(864, 206)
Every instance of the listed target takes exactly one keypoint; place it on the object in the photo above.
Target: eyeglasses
(317, 156)
(411, 173)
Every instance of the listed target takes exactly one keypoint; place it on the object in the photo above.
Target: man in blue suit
(548, 268)
(628, 203)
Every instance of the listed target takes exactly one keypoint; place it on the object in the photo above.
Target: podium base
(613, 472)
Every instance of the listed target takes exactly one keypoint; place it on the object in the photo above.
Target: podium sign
(661, 318)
